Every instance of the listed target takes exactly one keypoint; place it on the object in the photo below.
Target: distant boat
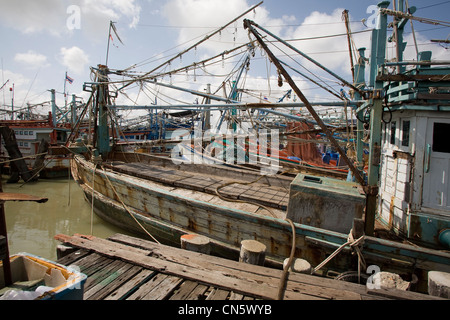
(29, 135)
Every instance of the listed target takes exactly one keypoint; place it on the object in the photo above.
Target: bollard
(252, 252)
(298, 265)
(196, 243)
(439, 284)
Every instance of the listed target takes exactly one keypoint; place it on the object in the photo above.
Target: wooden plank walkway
(127, 268)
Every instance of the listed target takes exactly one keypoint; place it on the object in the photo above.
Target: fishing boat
(35, 135)
(329, 222)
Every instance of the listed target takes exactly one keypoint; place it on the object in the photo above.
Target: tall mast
(101, 102)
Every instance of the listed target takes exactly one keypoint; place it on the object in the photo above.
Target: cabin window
(21, 132)
(25, 144)
(405, 133)
(30, 133)
(393, 128)
(440, 137)
(26, 133)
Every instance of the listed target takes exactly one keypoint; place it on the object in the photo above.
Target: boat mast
(377, 57)
(101, 108)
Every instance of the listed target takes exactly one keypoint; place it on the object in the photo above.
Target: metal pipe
(416, 63)
(444, 237)
(243, 105)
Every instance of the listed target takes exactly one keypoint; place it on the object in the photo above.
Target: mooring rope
(352, 243)
(92, 200)
(125, 206)
(282, 285)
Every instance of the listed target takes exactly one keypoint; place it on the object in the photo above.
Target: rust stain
(228, 232)
(188, 236)
(391, 212)
(209, 224)
(192, 225)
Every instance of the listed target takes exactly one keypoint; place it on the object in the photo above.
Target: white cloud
(51, 15)
(32, 59)
(75, 59)
(332, 52)
(211, 15)
(33, 16)
(96, 15)
(17, 79)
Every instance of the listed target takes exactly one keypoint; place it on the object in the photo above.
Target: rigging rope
(282, 285)
(125, 206)
(354, 244)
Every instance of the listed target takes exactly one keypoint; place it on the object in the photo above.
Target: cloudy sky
(42, 40)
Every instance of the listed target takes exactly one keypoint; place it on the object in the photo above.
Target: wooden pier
(127, 268)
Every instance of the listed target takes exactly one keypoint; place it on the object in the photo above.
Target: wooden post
(39, 161)
(358, 228)
(298, 265)
(252, 252)
(439, 284)
(196, 243)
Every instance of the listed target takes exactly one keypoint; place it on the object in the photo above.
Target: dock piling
(252, 252)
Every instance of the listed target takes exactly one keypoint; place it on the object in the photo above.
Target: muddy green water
(31, 226)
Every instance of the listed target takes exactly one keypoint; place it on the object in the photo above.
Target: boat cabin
(414, 194)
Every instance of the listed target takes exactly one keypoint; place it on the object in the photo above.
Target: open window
(440, 137)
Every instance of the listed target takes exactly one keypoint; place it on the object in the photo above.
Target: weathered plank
(164, 289)
(213, 277)
(218, 294)
(257, 273)
(198, 293)
(313, 286)
(100, 275)
(175, 265)
(184, 290)
(113, 281)
(236, 296)
(157, 288)
(72, 258)
(129, 287)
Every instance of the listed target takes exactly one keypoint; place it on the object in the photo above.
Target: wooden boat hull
(166, 216)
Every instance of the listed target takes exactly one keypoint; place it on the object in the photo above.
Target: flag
(113, 27)
(69, 79)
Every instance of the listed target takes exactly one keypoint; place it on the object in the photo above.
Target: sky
(43, 40)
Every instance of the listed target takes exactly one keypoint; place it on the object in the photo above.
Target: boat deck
(127, 268)
(271, 196)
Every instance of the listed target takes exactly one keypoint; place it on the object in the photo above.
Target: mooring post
(252, 252)
(298, 265)
(196, 243)
(439, 284)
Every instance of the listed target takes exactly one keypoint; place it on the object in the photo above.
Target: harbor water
(31, 226)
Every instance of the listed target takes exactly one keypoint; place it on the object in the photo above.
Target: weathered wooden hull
(167, 215)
